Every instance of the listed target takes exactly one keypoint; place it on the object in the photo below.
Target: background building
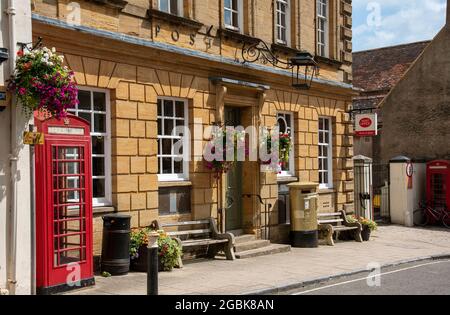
(376, 72)
(416, 114)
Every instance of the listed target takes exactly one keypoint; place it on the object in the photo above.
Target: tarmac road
(424, 278)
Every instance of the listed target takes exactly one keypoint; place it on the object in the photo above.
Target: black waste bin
(116, 244)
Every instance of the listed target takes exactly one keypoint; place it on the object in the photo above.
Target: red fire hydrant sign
(366, 125)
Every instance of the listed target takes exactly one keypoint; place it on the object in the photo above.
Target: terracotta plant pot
(365, 233)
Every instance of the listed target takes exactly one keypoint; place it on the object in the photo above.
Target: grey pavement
(389, 245)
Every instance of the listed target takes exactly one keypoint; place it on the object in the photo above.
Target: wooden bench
(200, 233)
(337, 222)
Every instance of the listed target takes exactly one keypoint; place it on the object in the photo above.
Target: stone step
(264, 251)
(245, 238)
(242, 247)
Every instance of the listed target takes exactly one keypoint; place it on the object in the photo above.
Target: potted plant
(42, 83)
(168, 250)
(138, 249)
(368, 226)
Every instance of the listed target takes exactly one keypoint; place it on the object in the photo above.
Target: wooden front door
(233, 214)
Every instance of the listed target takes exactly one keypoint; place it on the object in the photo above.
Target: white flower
(53, 49)
(51, 64)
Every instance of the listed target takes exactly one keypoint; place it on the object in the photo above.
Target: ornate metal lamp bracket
(260, 51)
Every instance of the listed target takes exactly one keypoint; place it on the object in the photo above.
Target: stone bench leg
(229, 251)
(329, 233)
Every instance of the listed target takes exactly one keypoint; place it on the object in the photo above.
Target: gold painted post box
(304, 227)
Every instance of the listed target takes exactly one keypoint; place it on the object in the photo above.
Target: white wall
(23, 254)
(4, 162)
(403, 200)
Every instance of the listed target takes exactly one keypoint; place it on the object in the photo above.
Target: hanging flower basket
(218, 147)
(42, 83)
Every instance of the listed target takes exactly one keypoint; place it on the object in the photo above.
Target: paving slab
(389, 245)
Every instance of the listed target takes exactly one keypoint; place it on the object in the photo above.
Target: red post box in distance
(64, 258)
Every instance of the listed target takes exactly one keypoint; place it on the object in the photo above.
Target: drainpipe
(11, 267)
(33, 216)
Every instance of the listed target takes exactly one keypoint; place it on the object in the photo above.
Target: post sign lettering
(366, 125)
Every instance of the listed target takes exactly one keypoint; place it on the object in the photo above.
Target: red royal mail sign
(366, 125)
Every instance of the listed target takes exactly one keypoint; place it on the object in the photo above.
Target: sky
(381, 23)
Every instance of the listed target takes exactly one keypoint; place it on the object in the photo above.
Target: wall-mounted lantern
(303, 66)
(304, 69)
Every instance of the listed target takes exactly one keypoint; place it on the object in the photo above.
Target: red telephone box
(438, 184)
(64, 258)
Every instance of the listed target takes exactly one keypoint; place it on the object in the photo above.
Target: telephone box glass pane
(69, 228)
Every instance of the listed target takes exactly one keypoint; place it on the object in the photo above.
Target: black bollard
(152, 265)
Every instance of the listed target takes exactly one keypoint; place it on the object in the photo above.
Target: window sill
(174, 184)
(334, 63)
(287, 179)
(174, 19)
(323, 191)
(118, 4)
(103, 210)
(236, 35)
(285, 49)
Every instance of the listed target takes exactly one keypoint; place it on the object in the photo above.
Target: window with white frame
(322, 28)
(325, 153)
(285, 122)
(174, 7)
(95, 108)
(233, 10)
(173, 142)
(282, 22)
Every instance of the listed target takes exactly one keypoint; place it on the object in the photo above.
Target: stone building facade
(376, 72)
(417, 110)
(141, 70)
